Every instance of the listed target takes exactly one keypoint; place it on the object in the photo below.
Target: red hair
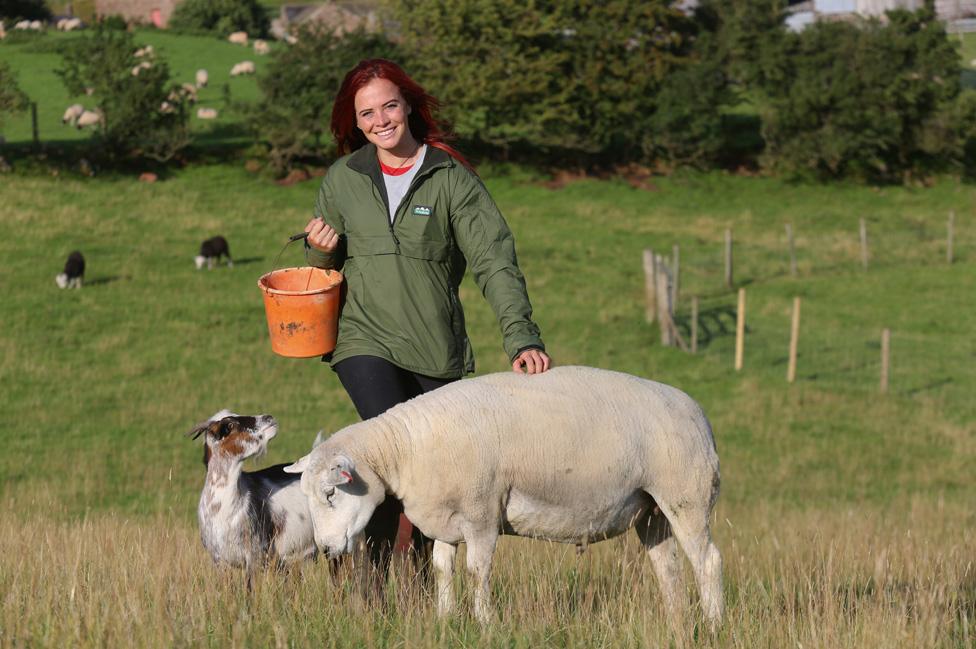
(424, 127)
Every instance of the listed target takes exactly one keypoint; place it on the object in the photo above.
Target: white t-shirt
(397, 186)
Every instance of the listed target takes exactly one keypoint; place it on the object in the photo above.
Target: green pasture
(844, 513)
(36, 57)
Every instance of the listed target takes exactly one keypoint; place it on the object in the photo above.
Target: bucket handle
(293, 238)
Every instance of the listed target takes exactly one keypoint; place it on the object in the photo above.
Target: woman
(402, 214)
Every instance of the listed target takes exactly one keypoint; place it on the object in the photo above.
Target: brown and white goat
(248, 519)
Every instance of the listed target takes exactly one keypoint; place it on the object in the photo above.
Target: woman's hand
(322, 236)
(535, 361)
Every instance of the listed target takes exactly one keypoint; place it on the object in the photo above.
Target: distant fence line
(661, 289)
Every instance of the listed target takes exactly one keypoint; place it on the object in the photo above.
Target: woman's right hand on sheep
(321, 235)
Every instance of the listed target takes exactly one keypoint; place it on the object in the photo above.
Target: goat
(249, 518)
(73, 274)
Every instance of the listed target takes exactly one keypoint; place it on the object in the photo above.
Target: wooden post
(650, 280)
(789, 243)
(794, 340)
(950, 231)
(694, 324)
(663, 299)
(864, 244)
(885, 358)
(675, 273)
(740, 329)
(37, 139)
(728, 257)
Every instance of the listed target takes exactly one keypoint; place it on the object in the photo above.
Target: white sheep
(144, 51)
(244, 67)
(202, 78)
(36, 25)
(261, 47)
(72, 113)
(22, 24)
(3, 31)
(238, 38)
(68, 24)
(207, 113)
(574, 455)
(139, 67)
(167, 108)
(249, 518)
(88, 118)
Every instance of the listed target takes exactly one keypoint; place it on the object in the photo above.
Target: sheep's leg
(655, 534)
(690, 526)
(480, 550)
(443, 560)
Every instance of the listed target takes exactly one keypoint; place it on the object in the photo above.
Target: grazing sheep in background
(244, 67)
(261, 47)
(22, 24)
(36, 25)
(68, 24)
(3, 31)
(72, 113)
(206, 113)
(249, 518)
(73, 275)
(201, 78)
(144, 51)
(139, 67)
(88, 118)
(238, 38)
(213, 248)
(573, 455)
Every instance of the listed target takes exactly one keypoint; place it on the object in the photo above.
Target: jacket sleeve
(325, 209)
(489, 249)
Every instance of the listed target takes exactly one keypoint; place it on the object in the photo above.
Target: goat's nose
(266, 419)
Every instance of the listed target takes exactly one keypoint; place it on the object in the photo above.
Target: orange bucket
(302, 307)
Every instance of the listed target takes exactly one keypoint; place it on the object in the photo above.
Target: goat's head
(232, 436)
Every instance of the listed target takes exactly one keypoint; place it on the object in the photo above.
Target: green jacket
(401, 296)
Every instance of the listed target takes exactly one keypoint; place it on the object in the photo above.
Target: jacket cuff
(317, 258)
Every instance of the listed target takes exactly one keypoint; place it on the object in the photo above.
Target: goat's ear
(341, 470)
(200, 429)
(299, 466)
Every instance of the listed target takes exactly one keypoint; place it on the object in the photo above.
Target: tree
(12, 98)
(24, 10)
(299, 86)
(142, 113)
(220, 17)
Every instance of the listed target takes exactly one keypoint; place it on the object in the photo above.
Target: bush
(12, 98)
(24, 10)
(870, 101)
(559, 79)
(298, 89)
(133, 123)
(220, 17)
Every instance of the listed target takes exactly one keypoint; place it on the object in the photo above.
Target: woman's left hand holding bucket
(321, 235)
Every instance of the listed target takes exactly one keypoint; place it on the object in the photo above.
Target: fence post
(663, 299)
(950, 231)
(728, 257)
(864, 244)
(694, 324)
(740, 329)
(650, 285)
(794, 340)
(789, 242)
(34, 131)
(675, 274)
(885, 358)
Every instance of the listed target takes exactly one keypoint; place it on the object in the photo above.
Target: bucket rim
(262, 283)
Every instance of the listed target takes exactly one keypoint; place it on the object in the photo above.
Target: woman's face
(381, 114)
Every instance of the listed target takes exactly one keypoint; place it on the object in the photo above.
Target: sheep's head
(341, 498)
(227, 434)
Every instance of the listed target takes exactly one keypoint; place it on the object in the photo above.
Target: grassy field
(845, 518)
(35, 57)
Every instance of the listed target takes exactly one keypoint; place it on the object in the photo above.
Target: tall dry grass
(849, 576)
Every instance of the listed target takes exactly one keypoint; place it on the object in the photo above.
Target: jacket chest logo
(422, 210)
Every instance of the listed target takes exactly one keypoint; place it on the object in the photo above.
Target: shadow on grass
(247, 260)
(713, 323)
(109, 279)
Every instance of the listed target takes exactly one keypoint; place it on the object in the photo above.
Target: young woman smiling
(403, 215)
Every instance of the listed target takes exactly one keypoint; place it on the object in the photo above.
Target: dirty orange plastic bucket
(302, 307)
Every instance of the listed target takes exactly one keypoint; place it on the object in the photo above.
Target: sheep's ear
(299, 466)
(341, 470)
(319, 438)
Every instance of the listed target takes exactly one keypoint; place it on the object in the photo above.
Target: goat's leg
(443, 560)
(480, 550)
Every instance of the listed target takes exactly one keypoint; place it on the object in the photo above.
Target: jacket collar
(364, 161)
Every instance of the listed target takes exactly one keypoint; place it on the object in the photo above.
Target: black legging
(375, 385)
